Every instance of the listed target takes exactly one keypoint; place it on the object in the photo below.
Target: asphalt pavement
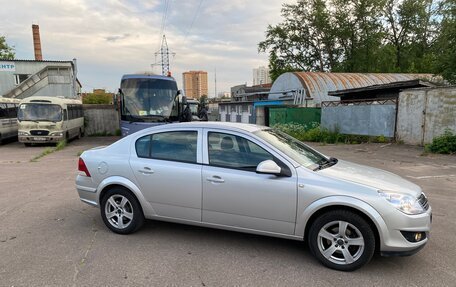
(48, 237)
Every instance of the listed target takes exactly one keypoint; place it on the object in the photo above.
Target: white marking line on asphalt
(431, 176)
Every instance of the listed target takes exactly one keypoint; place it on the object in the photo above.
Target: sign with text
(7, 66)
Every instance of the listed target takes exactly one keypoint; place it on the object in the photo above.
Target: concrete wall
(424, 114)
(371, 120)
(100, 119)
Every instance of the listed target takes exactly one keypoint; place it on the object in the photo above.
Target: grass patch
(444, 144)
(59, 146)
(314, 133)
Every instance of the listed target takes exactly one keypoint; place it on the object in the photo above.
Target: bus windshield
(146, 98)
(39, 112)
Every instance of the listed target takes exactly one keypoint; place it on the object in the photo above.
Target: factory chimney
(37, 42)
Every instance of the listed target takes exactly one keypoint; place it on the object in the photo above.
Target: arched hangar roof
(316, 85)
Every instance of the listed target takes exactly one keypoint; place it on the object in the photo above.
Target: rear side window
(143, 147)
(174, 146)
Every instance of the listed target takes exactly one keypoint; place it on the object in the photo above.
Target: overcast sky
(111, 38)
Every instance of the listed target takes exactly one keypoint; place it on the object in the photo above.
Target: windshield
(148, 98)
(292, 147)
(39, 112)
(194, 108)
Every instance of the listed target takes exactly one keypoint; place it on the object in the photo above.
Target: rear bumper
(87, 192)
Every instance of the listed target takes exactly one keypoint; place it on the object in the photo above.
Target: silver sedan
(258, 180)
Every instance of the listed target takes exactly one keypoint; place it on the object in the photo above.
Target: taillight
(83, 168)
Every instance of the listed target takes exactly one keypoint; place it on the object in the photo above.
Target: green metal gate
(303, 116)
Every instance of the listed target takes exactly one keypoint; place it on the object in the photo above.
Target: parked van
(8, 118)
(49, 120)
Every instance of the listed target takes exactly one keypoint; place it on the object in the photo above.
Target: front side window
(231, 151)
(174, 146)
(39, 112)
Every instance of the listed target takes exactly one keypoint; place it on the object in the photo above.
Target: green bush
(445, 144)
(97, 99)
(314, 133)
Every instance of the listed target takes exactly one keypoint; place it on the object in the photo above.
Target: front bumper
(40, 139)
(394, 242)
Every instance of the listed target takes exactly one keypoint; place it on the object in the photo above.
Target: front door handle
(146, 170)
(215, 179)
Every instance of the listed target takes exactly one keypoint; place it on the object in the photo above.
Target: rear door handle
(146, 170)
(215, 179)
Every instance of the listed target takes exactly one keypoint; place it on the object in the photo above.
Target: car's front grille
(39, 132)
(423, 201)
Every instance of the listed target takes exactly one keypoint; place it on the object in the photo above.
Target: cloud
(112, 37)
(115, 38)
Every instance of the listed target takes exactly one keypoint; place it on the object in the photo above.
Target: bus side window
(65, 117)
(3, 111)
(12, 110)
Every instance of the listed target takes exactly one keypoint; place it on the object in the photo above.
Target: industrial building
(313, 89)
(195, 84)
(24, 78)
(310, 89)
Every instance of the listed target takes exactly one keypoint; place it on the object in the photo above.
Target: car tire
(121, 211)
(341, 240)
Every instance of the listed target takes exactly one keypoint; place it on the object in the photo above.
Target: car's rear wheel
(121, 212)
(341, 240)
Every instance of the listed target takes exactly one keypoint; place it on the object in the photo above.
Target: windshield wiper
(325, 163)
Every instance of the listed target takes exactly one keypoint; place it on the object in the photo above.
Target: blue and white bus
(147, 100)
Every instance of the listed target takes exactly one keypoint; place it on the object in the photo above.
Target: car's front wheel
(341, 240)
(121, 212)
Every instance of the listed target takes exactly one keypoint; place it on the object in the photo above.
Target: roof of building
(46, 61)
(317, 84)
(417, 83)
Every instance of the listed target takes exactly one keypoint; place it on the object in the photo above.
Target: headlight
(405, 203)
(57, 134)
(23, 133)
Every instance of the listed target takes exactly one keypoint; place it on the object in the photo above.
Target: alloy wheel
(340, 242)
(119, 211)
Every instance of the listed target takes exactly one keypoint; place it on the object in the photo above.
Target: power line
(194, 18)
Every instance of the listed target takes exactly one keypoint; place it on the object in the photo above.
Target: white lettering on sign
(7, 66)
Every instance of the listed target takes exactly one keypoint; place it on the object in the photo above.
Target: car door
(167, 166)
(235, 195)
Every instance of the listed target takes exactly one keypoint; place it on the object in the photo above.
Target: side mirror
(179, 92)
(268, 167)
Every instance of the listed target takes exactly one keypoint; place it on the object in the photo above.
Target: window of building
(19, 78)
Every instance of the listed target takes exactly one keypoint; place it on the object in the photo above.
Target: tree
(355, 36)
(445, 47)
(203, 100)
(6, 52)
